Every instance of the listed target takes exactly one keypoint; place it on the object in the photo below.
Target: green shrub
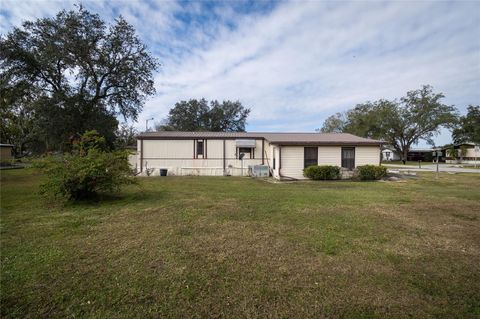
(85, 172)
(90, 140)
(370, 172)
(322, 172)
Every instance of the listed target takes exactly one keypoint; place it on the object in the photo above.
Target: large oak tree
(78, 74)
(199, 115)
(418, 116)
(468, 127)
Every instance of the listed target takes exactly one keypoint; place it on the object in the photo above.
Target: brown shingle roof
(199, 134)
(272, 137)
(317, 138)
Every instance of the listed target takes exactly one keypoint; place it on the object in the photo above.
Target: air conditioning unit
(258, 170)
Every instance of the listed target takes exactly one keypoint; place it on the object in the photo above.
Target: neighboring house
(389, 154)
(6, 153)
(413, 155)
(420, 154)
(465, 154)
(218, 153)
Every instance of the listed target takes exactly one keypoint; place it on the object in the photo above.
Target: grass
(195, 247)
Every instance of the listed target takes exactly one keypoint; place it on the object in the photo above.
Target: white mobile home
(390, 154)
(220, 153)
(467, 153)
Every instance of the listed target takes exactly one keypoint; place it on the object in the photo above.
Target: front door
(348, 157)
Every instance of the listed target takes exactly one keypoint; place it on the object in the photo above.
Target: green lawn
(186, 247)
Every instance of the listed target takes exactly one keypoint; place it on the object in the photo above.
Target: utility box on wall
(258, 170)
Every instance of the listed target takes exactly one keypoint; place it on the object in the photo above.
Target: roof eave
(143, 137)
(329, 143)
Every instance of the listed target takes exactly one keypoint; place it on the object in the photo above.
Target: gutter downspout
(263, 151)
(279, 161)
(224, 164)
(141, 155)
(194, 145)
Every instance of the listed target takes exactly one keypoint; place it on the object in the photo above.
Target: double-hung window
(247, 151)
(348, 157)
(310, 156)
(199, 148)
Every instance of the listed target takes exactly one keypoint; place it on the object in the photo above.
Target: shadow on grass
(128, 195)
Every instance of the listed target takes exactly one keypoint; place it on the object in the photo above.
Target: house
(231, 153)
(6, 153)
(464, 154)
(389, 154)
(413, 155)
(420, 154)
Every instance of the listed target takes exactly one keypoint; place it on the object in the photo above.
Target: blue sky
(295, 63)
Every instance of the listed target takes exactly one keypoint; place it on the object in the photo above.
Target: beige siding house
(468, 153)
(219, 153)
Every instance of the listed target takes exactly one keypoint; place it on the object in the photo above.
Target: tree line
(200, 115)
(419, 115)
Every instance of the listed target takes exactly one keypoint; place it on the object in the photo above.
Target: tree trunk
(404, 156)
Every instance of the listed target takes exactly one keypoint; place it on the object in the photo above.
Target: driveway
(432, 168)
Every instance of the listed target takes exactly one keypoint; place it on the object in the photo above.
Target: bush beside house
(322, 172)
(85, 172)
(370, 172)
